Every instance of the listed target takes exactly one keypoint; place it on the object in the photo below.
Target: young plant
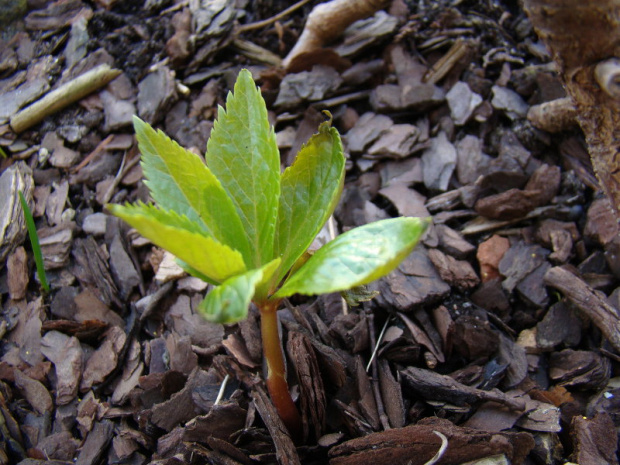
(240, 224)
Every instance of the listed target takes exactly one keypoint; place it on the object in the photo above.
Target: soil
(498, 338)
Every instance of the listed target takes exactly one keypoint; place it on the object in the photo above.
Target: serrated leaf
(184, 239)
(229, 302)
(357, 257)
(180, 181)
(310, 190)
(242, 153)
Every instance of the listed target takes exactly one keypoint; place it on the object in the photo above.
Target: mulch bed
(498, 336)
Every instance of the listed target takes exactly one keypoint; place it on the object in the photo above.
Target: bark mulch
(497, 338)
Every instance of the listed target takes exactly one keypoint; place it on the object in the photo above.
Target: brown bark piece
(417, 444)
(285, 449)
(595, 440)
(66, 354)
(433, 386)
(457, 273)
(474, 337)
(96, 443)
(415, 282)
(392, 396)
(367, 403)
(221, 422)
(35, 393)
(181, 406)
(508, 205)
(93, 272)
(579, 369)
(311, 390)
(17, 273)
(453, 243)
(489, 254)
(104, 359)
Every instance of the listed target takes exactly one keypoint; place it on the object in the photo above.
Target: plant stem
(276, 377)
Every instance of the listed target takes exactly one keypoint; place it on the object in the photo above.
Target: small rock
(156, 92)
(397, 141)
(462, 102)
(95, 224)
(118, 113)
(307, 86)
(439, 162)
(367, 129)
(509, 101)
(471, 161)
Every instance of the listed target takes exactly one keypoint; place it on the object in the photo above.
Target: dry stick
(102, 145)
(554, 116)
(327, 21)
(442, 67)
(603, 315)
(64, 96)
(273, 19)
(385, 423)
(442, 449)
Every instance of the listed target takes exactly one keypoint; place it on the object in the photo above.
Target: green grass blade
(242, 153)
(34, 242)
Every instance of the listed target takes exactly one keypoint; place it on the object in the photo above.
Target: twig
(441, 451)
(64, 96)
(266, 22)
(122, 171)
(376, 349)
(100, 147)
(603, 315)
(385, 423)
(220, 394)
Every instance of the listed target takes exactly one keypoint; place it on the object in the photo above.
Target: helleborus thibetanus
(238, 222)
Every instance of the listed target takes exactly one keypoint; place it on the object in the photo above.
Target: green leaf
(242, 153)
(357, 257)
(229, 302)
(184, 239)
(310, 190)
(180, 181)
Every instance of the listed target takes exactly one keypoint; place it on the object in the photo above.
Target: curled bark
(327, 21)
(584, 39)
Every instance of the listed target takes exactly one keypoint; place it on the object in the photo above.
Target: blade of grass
(34, 242)
(3, 153)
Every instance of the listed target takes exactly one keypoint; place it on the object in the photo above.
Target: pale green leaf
(180, 181)
(357, 257)
(184, 239)
(310, 190)
(229, 302)
(242, 153)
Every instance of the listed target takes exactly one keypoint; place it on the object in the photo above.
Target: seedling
(240, 224)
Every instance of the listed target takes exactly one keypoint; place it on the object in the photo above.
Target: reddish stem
(276, 377)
